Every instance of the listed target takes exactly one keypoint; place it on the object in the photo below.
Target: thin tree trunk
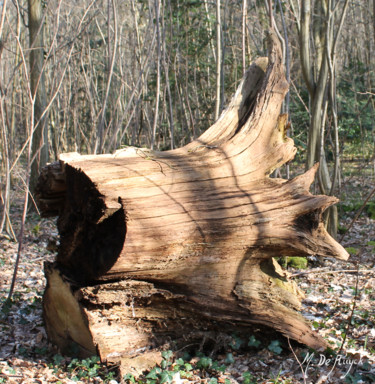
(156, 112)
(2, 19)
(317, 73)
(5, 197)
(244, 14)
(38, 90)
(167, 83)
(218, 60)
(209, 26)
(304, 41)
(270, 14)
(111, 63)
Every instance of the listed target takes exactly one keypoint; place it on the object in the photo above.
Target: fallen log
(157, 245)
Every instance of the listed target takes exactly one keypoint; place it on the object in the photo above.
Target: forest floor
(339, 302)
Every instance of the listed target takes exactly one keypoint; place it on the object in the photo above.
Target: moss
(297, 262)
(293, 261)
(352, 250)
(279, 277)
(371, 210)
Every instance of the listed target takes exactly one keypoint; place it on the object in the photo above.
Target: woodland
(262, 271)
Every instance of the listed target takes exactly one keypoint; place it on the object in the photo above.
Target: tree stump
(159, 245)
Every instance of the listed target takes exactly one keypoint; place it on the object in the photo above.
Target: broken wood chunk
(156, 246)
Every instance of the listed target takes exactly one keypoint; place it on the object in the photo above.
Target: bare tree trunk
(319, 78)
(5, 148)
(2, 19)
(5, 186)
(304, 43)
(38, 90)
(218, 59)
(156, 112)
(167, 83)
(270, 15)
(244, 15)
(110, 67)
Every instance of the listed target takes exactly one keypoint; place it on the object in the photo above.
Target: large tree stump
(159, 244)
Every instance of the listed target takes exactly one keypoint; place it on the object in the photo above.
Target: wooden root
(150, 238)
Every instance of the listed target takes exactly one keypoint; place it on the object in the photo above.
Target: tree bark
(158, 74)
(193, 232)
(38, 90)
(318, 75)
(244, 15)
(218, 59)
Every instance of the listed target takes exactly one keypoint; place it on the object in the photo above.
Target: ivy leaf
(167, 355)
(315, 324)
(204, 363)
(188, 366)
(229, 358)
(237, 342)
(166, 377)
(253, 342)
(129, 377)
(275, 347)
(153, 374)
(180, 361)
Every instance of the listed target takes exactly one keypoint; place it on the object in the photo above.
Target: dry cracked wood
(200, 224)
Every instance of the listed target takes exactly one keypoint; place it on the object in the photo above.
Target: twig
(203, 146)
(352, 312)
(358, 214)
(299, 363)
(28, 172)
(324, 272)
(23, 220)
(148, 157)
(3, 12)
(300, 97)
(31, 195)
(349, 321)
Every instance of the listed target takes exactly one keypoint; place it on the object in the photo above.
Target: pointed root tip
(306, 179)
(330, 246)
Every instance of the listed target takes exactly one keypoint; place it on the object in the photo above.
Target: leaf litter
(26, 356)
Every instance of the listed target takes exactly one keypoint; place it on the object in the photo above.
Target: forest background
(93, 77)
(97, 76)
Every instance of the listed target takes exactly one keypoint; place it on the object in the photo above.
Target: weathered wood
(199, 225)
(124, 319)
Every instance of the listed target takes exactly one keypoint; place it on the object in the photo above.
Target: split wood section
(155, 245)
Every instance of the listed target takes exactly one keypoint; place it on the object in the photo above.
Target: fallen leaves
(330, 290)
